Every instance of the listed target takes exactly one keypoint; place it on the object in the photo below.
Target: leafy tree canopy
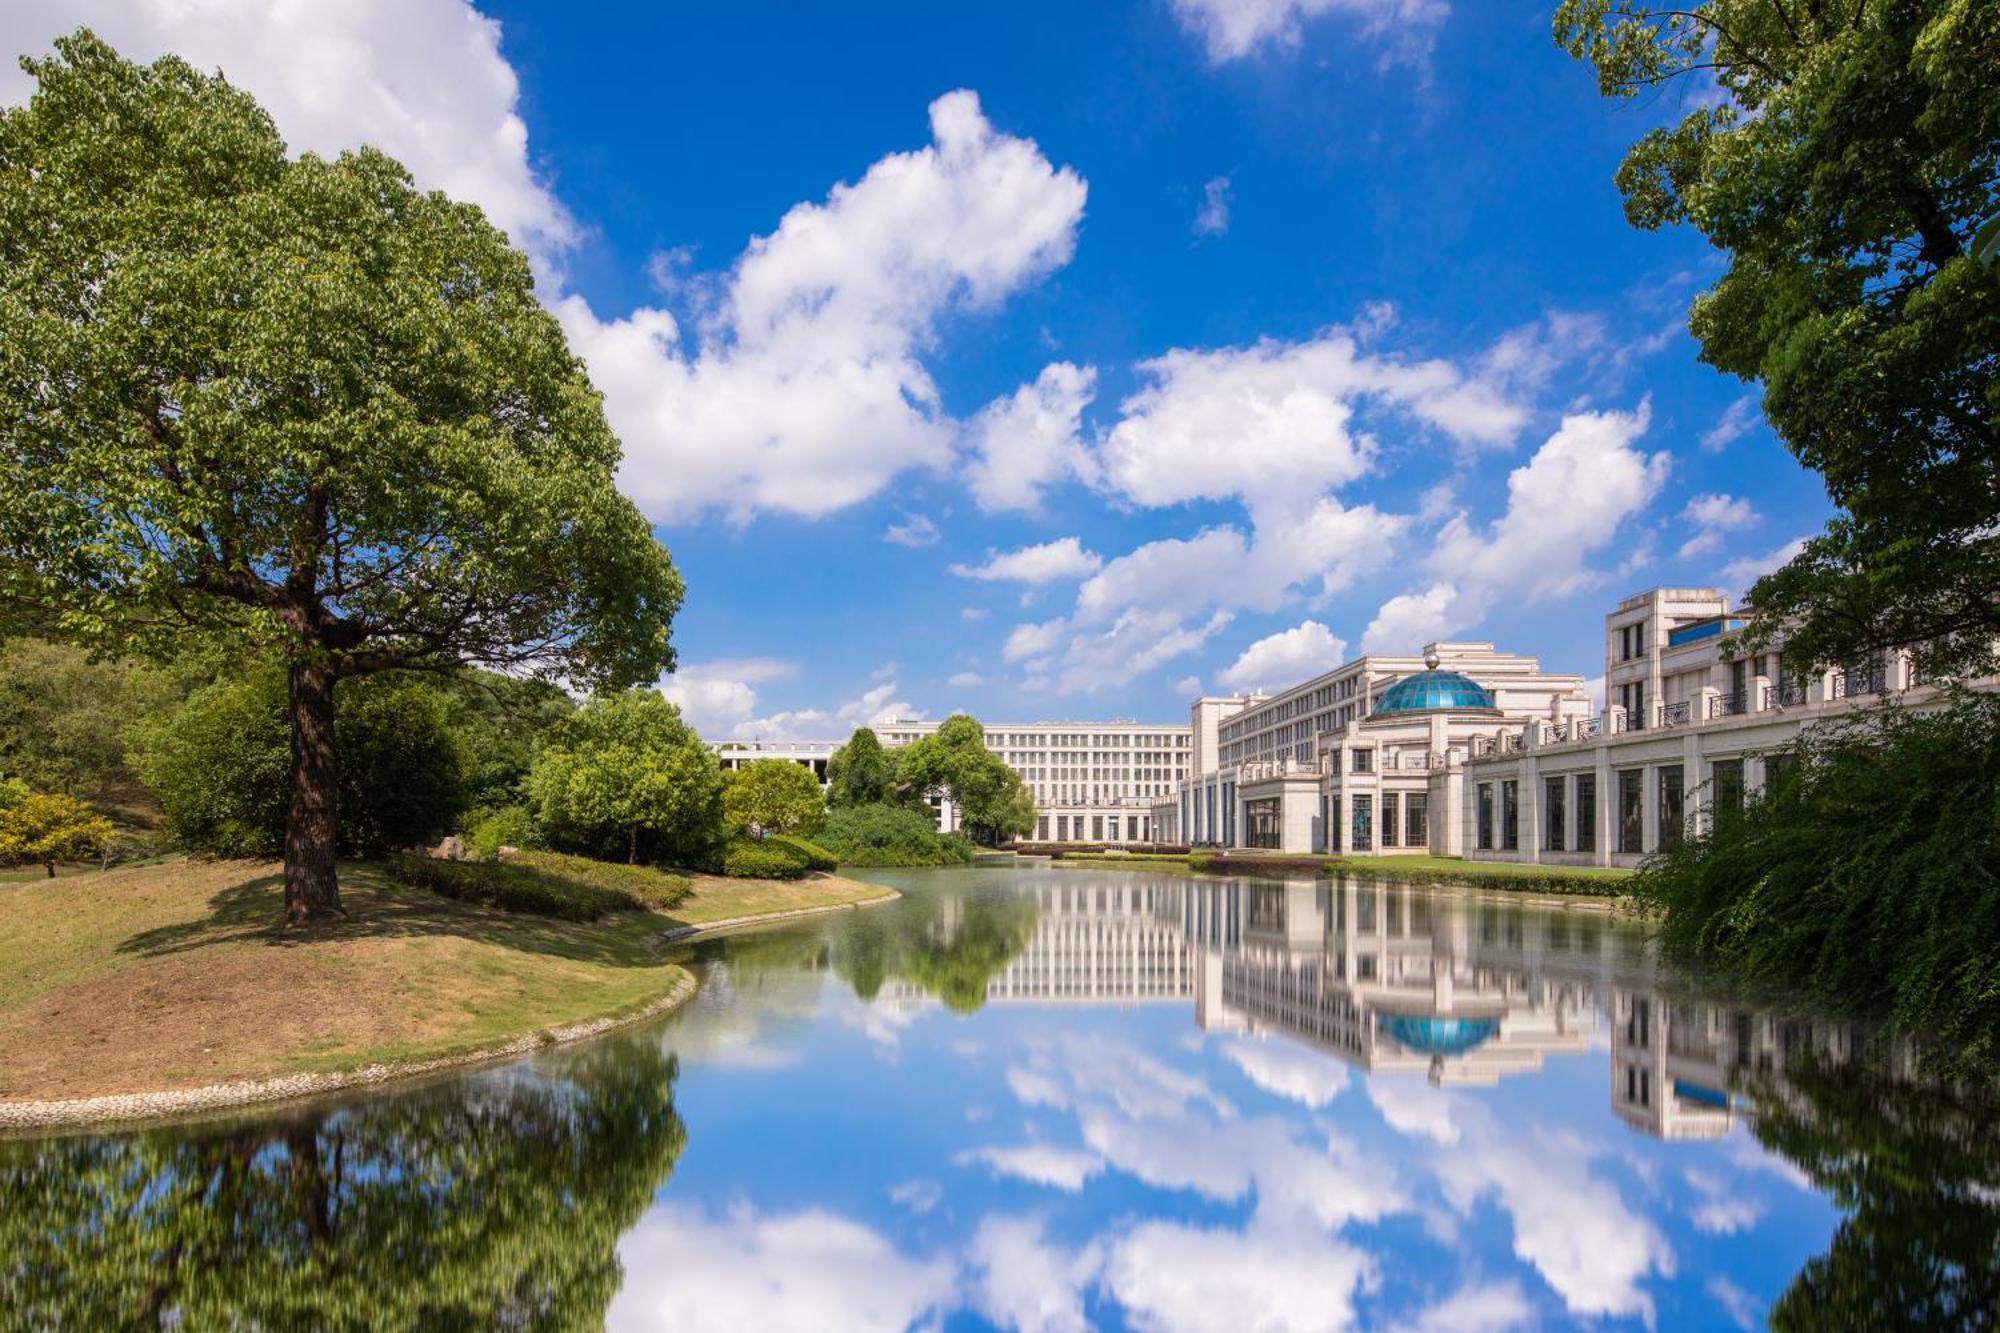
(40, 829)
(860, 772)
(218, 766)
(776, 795)
(295, 402)
(954, 760)
(1843, 171)
(625, 776)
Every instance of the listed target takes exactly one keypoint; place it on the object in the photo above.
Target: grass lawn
(1451, 865)
(175, 975)
(1423, 869)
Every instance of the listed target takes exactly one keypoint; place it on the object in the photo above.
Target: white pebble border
(135, 1106)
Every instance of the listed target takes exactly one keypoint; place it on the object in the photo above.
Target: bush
(890, 835)
(1867, 876)
(767, 858)
(571, 888)
(38, 829)
(509, 826)
(221, 766)
(817, 857)
(624, 777)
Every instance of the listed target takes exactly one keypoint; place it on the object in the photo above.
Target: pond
(1043, 1099)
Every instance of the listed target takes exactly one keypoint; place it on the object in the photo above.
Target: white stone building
(1687, 724)
(1093, 782)
(1360, 758)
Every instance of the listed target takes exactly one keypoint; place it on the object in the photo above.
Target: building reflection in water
(1392, 978)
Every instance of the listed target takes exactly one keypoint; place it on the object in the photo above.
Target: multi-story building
(1689, 723)
(809, 754)
(1092, 781)
(1358, 758)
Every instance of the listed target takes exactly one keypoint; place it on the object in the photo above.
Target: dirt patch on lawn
(176, 976)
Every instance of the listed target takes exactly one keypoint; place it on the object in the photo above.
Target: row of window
(1094, 828)
(1569, 808)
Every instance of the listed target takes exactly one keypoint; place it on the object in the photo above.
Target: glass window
(1510, 816)
(1672, 802)
(1097, 828)
(1485, 816)
(1586, 812)
(1726, 790)
(1364, 761)
(1260, 822)
(1364, 823)
(1632, 810)
(1416, 830)
(1389, 826)
(1554, 812)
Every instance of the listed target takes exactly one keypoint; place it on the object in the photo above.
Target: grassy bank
(172, 976)
(1410, 869)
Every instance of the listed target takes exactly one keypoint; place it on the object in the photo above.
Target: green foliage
(860, 772)
(64, 717)
(40, 829)
(444, 1209)
(1915, 1168)
(763, 858)
(1844, 171)
(890, 835)
(775, 795)
(220, 766)
(571, 888)
(817, 857)
(297, 403)
(625, 777)
(950, 947)
(954, 760)
(499, 720)
(509, 826)
(1867, 878)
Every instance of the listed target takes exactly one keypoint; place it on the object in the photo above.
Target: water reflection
(1063, 1100)
(496, 1202)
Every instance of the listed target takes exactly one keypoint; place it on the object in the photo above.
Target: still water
(1042, 1099)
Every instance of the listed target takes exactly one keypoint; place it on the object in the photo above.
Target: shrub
(221, 766)
(1867, 876)
(509, 826)
(571, 888)
(42, 830)
(648, 884)
(817, 857)
(768, 858)
(890, 835)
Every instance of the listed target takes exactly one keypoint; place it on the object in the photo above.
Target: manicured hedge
(817, 857)
(765, 858)
(570, 888)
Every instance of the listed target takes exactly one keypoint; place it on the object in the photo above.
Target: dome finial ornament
(1431, 659)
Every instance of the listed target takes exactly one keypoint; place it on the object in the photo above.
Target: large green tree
(776, 795)
(293, 402)
(1846, 160)
(860, 772)
(625, 776)
(954, 761)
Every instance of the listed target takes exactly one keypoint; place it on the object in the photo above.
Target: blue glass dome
(1433, 690)
(1438, 1036)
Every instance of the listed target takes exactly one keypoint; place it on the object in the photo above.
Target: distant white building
(1356, 759)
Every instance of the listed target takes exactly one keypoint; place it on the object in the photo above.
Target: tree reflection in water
(1915, 1168)
(495, 1202)
(949, 946)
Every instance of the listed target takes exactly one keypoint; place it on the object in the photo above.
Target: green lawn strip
(1412, 869)
(714, 898)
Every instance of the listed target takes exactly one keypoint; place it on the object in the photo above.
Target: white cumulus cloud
(1031, 439)
(1064, 558)
(1285, 658)
(1406, 30)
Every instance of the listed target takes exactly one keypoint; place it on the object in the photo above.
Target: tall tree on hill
(1844, 168)
(295, 403)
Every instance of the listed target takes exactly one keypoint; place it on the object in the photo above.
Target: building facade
(1688, 724)
(1093, 782)
(1359, 758)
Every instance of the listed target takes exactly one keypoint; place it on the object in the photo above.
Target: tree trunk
(632, 846)
(50, 866)
(312, 893)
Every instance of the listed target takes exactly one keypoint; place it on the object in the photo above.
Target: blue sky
(1055, 360)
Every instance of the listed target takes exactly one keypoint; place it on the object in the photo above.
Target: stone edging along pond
(127, 1107)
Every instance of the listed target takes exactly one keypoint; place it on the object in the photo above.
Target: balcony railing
(1677, 714)
(1853, 684)
(1785, 694)
(1728, 705)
